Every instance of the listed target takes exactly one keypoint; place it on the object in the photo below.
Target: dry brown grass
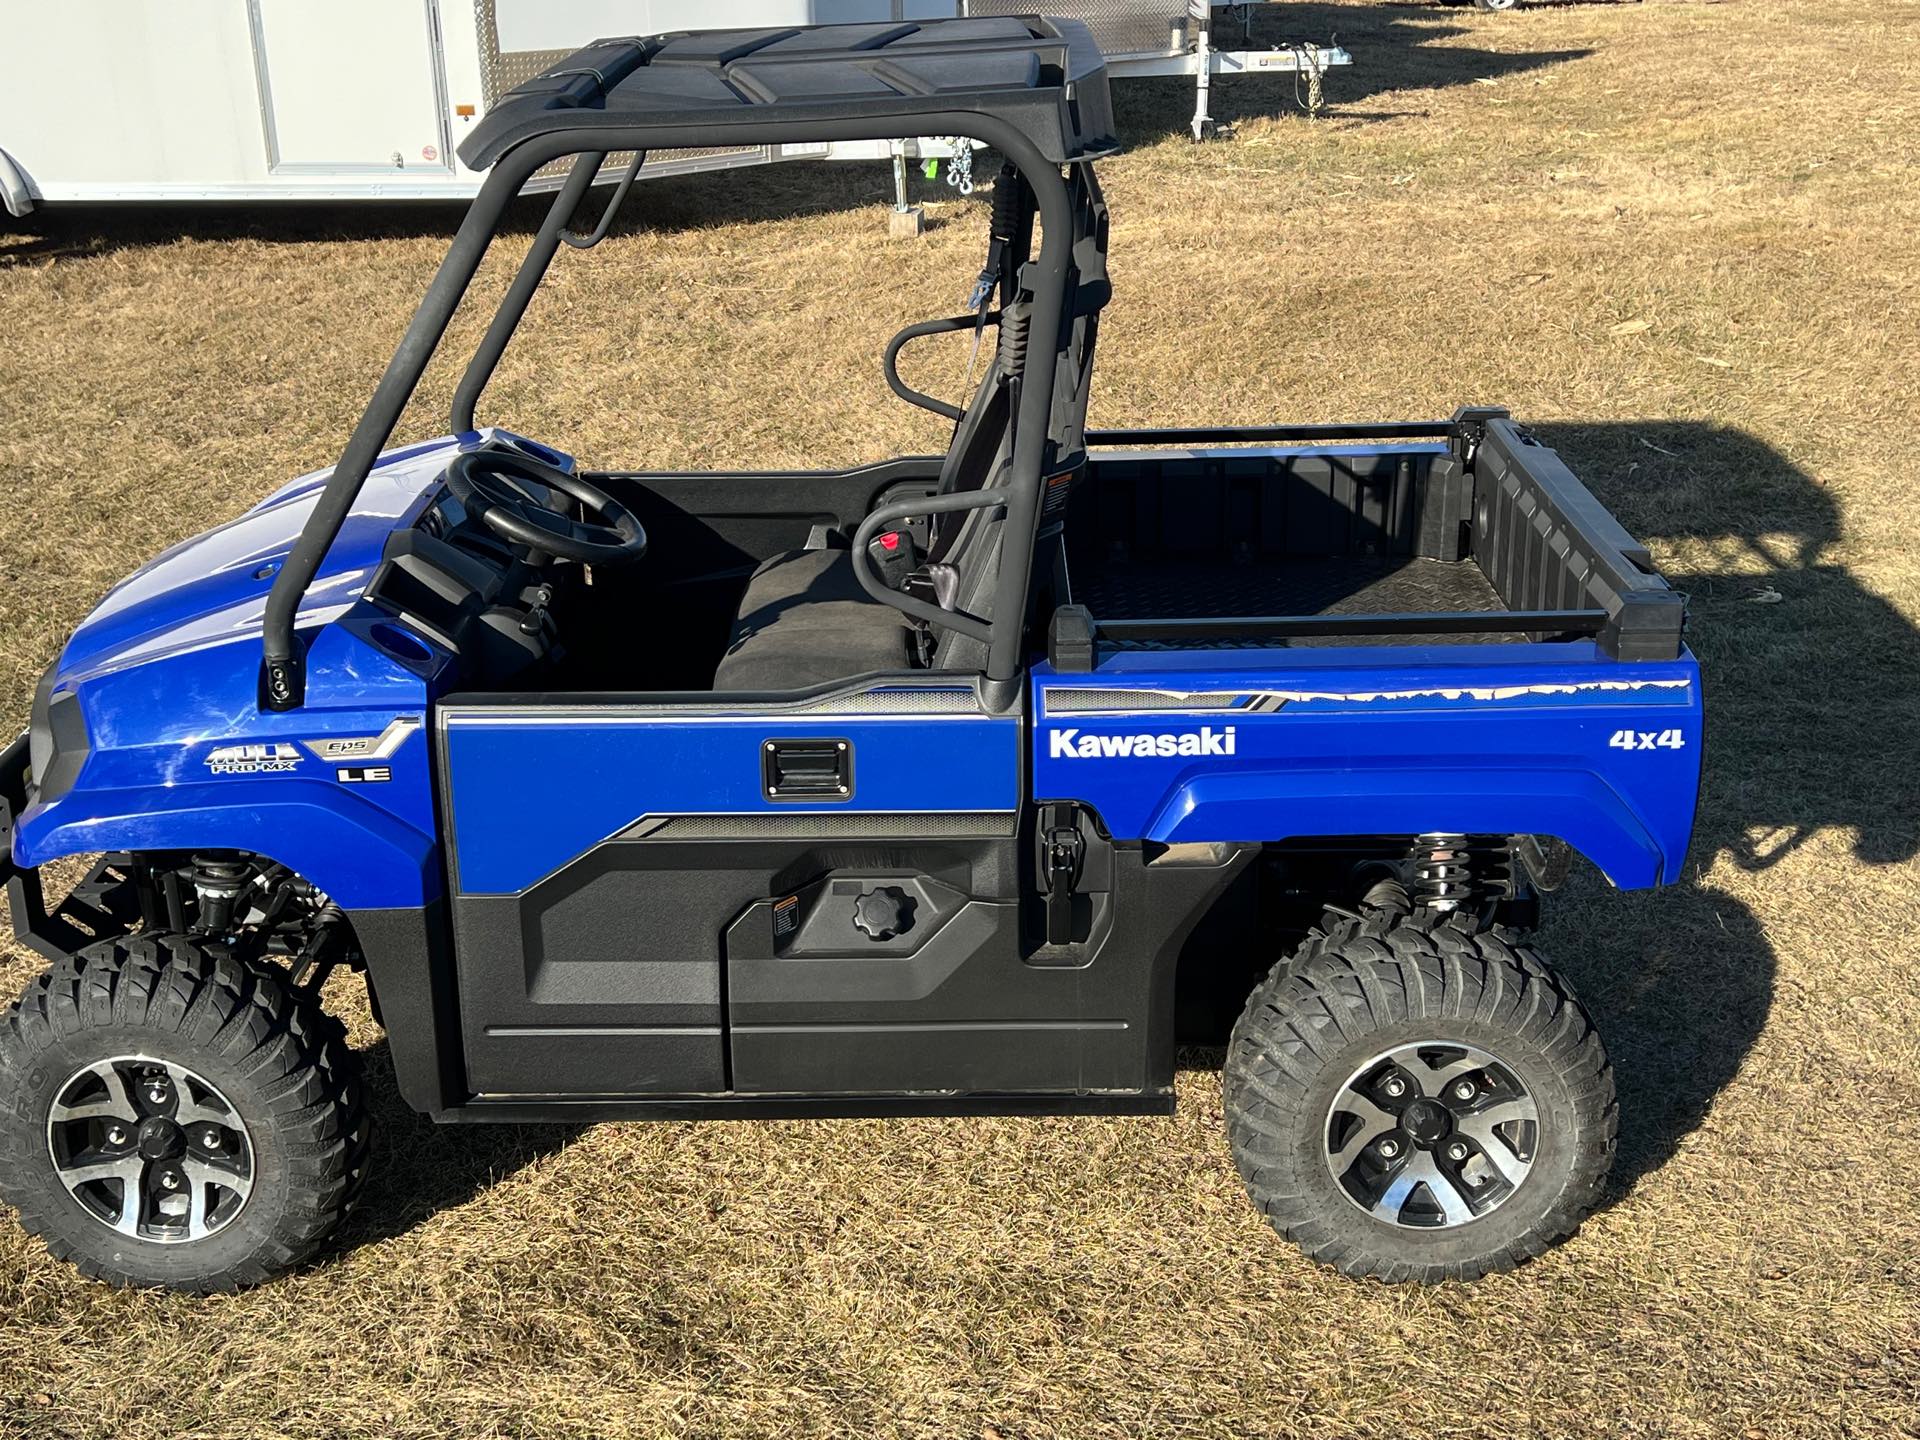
(1490, 199)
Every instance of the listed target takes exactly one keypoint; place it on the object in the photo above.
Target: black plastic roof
(1044, 77)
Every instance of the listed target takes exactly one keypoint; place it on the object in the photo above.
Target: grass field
(1680, 237)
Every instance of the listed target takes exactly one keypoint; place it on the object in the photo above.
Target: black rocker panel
(732, 968)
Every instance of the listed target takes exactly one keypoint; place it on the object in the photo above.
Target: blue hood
(213, 588)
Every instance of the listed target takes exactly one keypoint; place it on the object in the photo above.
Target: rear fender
(1546, 739)
(1579, 808)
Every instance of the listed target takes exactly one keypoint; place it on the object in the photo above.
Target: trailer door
(352, 86)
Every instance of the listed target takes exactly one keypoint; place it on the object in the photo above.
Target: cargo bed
(1460, 531)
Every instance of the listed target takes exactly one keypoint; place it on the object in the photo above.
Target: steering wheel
(484, 482)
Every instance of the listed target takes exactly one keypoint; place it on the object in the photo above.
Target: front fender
(363, 856)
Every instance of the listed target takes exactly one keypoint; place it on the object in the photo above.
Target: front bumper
(26, 901)
(101, 907)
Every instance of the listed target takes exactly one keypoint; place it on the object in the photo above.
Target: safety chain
(1309, 66)
(960, 168)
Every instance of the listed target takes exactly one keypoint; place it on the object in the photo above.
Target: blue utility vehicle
(956, 784)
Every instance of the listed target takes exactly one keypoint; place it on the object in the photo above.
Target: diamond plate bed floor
(1342, 585)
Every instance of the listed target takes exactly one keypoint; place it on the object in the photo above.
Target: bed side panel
(1523, 739)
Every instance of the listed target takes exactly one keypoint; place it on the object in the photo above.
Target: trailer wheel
(1419, 1101)
(171, 1117)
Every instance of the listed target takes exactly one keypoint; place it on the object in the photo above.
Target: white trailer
(252, 100)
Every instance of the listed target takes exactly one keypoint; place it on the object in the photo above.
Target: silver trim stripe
(1064, 700)
(1080, 701)
(879, 702)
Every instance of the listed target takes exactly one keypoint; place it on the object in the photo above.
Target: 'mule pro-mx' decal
(266, 758)
(270, 757)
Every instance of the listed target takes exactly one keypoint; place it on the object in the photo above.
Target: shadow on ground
(1809, 679)
(420, 1169)
(1395, 47)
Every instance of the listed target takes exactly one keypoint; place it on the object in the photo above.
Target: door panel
(959, 1008)
(534, 787)
(601, 850)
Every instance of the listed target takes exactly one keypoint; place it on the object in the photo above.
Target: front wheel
(170, 1116)
(1419, 1101)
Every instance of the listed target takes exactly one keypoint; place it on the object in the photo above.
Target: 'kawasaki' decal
(1070, 744)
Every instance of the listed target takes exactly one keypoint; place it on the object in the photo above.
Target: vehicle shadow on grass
(1810, 681)
(419, 1169)
(1396, 48)
(1794, 650)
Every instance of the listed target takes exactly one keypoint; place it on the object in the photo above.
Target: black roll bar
(513, 307)
(283, 659)
(526, 280)
(283, 679)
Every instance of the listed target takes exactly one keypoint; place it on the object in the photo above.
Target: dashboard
(457, 585)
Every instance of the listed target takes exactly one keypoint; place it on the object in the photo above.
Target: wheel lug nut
(1456, 1151)
(116, 1135)
(1388, 1148)
(157, 1094)
(210, 1138)
(1394, 1086)
(169, 1180)
(1465, 1090)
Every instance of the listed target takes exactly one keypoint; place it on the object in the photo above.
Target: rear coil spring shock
(1442, 867)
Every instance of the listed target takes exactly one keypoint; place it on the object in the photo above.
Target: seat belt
(999, 237)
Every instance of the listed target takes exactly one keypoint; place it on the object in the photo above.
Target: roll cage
(1033, 89)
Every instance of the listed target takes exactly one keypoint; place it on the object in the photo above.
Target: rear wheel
(170, 1116)
(1419, 1101)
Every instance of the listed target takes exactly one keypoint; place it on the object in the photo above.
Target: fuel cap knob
(883, 912)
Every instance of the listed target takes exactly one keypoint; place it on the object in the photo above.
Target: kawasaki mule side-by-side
(958, 784)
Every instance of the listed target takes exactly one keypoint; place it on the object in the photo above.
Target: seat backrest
(964, 555)
(980, 438)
